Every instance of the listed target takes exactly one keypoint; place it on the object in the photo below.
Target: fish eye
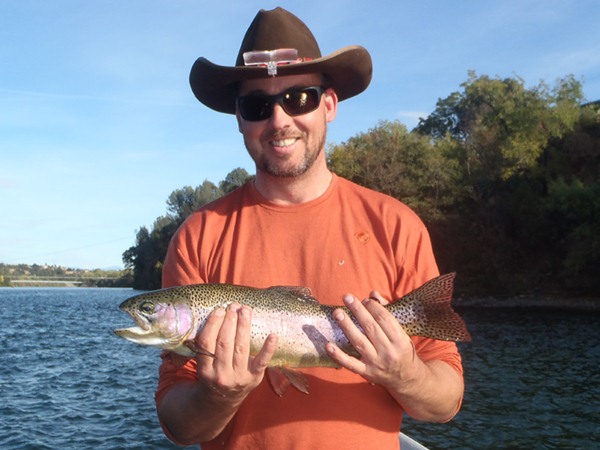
(147, 307)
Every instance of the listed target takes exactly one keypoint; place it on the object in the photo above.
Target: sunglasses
(295, 102)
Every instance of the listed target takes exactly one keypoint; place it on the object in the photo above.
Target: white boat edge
(408, 443)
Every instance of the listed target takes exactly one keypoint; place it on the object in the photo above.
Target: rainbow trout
(171, 318)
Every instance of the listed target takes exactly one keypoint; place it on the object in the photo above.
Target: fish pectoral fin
(178, 360)
(197, 350)
(282, 377)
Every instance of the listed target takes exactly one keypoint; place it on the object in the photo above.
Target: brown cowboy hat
(348, 70)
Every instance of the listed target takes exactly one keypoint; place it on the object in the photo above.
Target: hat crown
(275, 29)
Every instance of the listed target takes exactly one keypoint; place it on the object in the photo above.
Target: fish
(171, 318)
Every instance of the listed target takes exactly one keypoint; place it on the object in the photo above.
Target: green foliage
(575, 210)
(234, 179)
(182, 202)
(404, 165)
(502, 127)
(147, 256)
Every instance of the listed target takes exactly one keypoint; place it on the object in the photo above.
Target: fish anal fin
(282, 377)
(297, 379)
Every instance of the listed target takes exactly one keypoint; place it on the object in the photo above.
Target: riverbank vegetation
(506, 178)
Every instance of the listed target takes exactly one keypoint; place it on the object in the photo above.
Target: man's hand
(198, 412)
(386, 352)
(232, 372)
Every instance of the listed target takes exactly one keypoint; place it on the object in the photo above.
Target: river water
(66, 382)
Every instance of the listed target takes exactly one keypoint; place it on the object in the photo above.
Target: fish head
(162, 321)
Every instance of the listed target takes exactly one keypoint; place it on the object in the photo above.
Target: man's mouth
(283, 142)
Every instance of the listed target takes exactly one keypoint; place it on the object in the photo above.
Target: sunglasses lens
(300, 102)
(257, 107)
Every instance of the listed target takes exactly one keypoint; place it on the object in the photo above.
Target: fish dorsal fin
(300, 292)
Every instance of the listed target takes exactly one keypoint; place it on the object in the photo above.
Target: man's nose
(279, 118)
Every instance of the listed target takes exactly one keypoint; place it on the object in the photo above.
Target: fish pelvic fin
(436, 318)
(281, 378)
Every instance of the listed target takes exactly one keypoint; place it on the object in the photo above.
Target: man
(299, 224)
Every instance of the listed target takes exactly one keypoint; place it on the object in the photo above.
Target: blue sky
(98, 124)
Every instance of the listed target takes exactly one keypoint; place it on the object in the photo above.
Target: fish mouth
(143, 328)
(131, 332)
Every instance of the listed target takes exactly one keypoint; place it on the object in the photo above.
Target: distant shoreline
(74, 283)
(591, 304)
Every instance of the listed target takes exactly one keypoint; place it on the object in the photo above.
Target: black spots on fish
(301, 292)
(437, 290)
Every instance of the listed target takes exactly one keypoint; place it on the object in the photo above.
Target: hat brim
(349, 71)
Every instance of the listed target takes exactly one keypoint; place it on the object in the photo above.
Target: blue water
(532, 381)
(66, 382)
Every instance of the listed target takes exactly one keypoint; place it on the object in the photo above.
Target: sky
(98, 124)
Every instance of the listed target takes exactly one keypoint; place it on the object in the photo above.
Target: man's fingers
(344, 360)
(364, 317)
(241, 346)
(208, 336)
(374, 295)
(385, 321)
(261, 360)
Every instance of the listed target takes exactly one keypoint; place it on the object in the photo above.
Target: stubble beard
(272, 168)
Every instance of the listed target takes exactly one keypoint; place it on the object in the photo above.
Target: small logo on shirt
(362, 237)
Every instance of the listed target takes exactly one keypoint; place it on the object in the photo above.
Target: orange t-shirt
(349, 240)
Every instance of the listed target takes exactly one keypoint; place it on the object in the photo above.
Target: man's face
(282, 145)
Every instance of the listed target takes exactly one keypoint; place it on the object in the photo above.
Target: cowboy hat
(265, 51)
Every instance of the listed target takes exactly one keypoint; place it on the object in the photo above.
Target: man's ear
(331, 104)
(239, 120)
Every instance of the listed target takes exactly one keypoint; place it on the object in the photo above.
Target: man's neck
(294, 190)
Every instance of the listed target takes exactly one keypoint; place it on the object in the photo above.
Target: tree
(234, 179)
(501, 128)
(399, 163)
(512, 145)
(147, 256)
(182, 202)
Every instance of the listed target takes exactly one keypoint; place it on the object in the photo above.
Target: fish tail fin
(440, 320)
